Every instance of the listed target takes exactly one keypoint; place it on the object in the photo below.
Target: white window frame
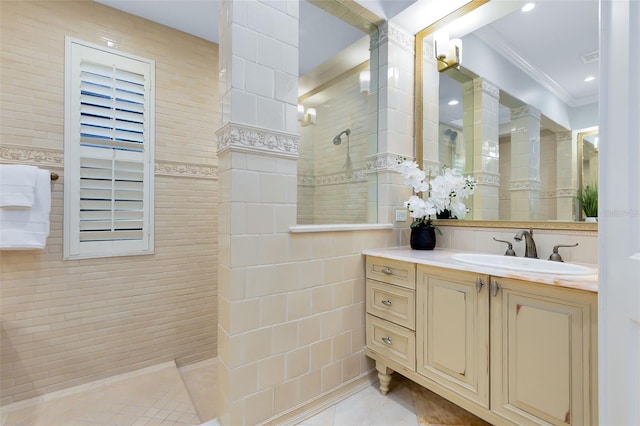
(120, 242)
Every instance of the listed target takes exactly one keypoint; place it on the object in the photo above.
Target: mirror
(526, 138)
(337, 124)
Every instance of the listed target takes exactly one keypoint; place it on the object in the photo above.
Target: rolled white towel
(17, 185)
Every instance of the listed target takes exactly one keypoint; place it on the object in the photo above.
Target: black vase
(423, 238)
(444, 214)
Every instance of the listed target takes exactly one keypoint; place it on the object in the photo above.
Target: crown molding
(502, 46)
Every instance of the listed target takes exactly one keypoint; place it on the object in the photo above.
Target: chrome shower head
(337, 140)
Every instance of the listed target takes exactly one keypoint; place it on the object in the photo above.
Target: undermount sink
(523, 264)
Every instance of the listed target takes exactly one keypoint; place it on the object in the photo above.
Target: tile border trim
(245, 138)
(44, 157)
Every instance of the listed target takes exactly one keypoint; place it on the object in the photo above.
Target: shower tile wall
(331, 189)
(66, 323)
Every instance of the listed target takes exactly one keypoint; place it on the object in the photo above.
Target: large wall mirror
(337, 120)
(519, 113)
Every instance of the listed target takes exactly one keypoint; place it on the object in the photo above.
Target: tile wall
(291, 305)
(332, 179)
(66, 323)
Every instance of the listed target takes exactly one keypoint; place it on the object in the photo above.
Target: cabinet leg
(384, 377)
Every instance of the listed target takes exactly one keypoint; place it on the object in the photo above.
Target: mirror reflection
(519, 113)
(337, 125)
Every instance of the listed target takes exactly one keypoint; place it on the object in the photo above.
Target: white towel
(17, 185)
(28, 228)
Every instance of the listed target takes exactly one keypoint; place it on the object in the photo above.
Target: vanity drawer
(390, 340)
(392, 271)
(392, 303)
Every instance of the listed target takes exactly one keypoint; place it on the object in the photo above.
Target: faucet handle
(509, 251)
(555, 255)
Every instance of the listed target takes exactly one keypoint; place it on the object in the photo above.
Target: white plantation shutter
(108, 153)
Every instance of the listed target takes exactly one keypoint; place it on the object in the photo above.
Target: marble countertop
(442, 258)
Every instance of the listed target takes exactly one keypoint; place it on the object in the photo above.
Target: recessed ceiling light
(528, 7)
(453, 102)
(589, 78)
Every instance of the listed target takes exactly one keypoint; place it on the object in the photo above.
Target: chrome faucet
(530, 245)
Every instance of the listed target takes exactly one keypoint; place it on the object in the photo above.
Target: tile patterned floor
(406, 404)
(177, 397)
(157, 397)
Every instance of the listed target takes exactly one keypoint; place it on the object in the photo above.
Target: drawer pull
(479, 284)
(387, 271)
(386, 302)
(495, 287)
(386, 340)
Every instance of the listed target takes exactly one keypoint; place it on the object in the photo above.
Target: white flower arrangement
(446, 191)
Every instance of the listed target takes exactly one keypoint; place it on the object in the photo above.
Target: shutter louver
(109, 152)
(111, 155)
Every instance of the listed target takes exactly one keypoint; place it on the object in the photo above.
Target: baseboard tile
(310, 408)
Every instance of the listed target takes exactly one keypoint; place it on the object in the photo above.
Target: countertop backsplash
(481, 240)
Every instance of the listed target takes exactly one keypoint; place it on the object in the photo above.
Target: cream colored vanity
(513, 348)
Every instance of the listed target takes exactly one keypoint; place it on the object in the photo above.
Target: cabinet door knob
(387, 271)
(495, 287)
(386, 302)
(387, 340)
(479, 284)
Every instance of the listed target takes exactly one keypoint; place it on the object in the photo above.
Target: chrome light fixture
(448, 53)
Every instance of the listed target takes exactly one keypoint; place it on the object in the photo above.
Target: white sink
(523, 264)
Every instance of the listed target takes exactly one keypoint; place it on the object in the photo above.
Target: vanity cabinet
(543, 353)
(510, 351)
(390, 321)
(453, 331)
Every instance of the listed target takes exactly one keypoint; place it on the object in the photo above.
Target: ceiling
(550, 42)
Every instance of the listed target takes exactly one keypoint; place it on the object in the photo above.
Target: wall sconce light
(448, 53)
(306, 117)
(365, 81)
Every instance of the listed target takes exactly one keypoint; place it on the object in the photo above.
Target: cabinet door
(542, 350)
(452, 331)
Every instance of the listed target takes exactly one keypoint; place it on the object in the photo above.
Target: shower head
(452, 134)
(337, 140)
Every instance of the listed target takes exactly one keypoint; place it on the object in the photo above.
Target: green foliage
(588, 199)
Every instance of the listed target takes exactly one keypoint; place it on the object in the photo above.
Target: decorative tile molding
(238, 137)
(390, 32)
(428, 54)
(484, 86)
(200, 171)
(546, 195)
(525, 111)
(487, 179)
(55, 158)
(525, 185)
(33, 156)
(566, 192)
(432, 168)
(385, 161)
(333, 179)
